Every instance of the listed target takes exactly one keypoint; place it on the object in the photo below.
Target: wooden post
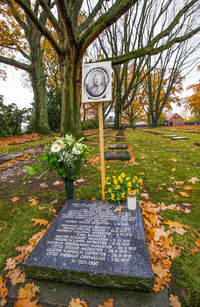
(101, 136)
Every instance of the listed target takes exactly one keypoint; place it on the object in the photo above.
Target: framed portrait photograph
(97, 82)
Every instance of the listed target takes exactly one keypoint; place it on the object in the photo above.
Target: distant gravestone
(118, 146)
(120, 139)
(117, 155)
(89, 243)
(197, 144)
(6, 158)
(169, 136)
(179, 138)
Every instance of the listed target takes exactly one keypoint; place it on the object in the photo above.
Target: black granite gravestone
(120, 139)
(89, 243)
(6, 158)
(118, 146)
(117, 155)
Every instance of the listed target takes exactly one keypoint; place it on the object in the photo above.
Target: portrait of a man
(96, 83)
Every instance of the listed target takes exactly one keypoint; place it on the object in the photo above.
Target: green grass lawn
(161, 162)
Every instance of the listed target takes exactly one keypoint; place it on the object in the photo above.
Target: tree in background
(193, 101)
(20, 46)
(73, 39)
(11, 118)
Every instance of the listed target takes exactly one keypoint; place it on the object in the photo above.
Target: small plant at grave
(65, 155)
(116, 188)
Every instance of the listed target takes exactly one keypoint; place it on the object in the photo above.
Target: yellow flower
(109, 190)
(115, 181)
(123, 175)
(117, 187)
(140, 181)
(113, 196)
(122, 195)
(129, 184)
(128, 178)
(107, 178)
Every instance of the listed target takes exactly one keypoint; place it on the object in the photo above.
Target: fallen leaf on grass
(170, 189)
(35, 202)
(187, 188)
(184, 194)
(141, 174)
(178, 182)
(93, 198)
(197, 242)
(180, 231)
(109, 303)
(119, 209)
(14, 199)
(194, 250)
(16, 276)
(10, 264)
(26, 303)
(77, 302)
(54, 202)
(3, 288)
(173, 160)
(41, 208)
(174, 302)
(193, 180)
(3, 302)
(1, 229)
(174, 253)
(52, 209)
(173, 169)
(40, 222)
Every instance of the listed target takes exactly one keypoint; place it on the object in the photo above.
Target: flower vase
(69, 189)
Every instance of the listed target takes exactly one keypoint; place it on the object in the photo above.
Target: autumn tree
(73, 40)
(193, 101)
(20, 46)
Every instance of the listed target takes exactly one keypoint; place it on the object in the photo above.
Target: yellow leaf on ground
(175, 224)
(52, 209)
(77, 302)
(26, 303)
(119, 208)
(3, 302)
(28, 292)
(3, 288)
(109, 303)
(173, 160)
(93, 198)
(14, 199)
(180, 231)
(57, 182)
(10, 264)
(194, 250)
(16, 276)
(173, 169)
(197, 242)
(187, 188)
(35, 202)
(184, 194)
(40, 222)
(174, 302)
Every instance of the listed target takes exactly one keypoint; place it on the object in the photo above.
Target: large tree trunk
(71, 94)
(39, 88)
(118, 117)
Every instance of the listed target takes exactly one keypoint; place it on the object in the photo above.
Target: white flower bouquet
(65, 155)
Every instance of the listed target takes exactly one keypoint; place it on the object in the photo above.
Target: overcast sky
(15, 91)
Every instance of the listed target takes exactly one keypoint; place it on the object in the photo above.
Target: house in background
(174, 120)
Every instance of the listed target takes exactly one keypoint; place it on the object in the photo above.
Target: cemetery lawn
(161, 163)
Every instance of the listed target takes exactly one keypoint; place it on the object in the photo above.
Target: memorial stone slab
(118, 146)
(6, 158)
(120, 139)
(169, 136)
(179, 138)
(89, 243)
(117, 155)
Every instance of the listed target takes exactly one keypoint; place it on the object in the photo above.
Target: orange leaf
(197, 242)
(40, 222)
(184, 194)
(194, 250)
(3, 288)
(10, 264)
(2, 302)
(28, 292)
(178, 182)
(1, 229)
(187, 188)
(173, 169)
(174, 302)
(173, 160)
(175, 224)
(26, 303)
(16, 276)
(119, 209)
(35, 202)
(93, 198)
(77, 302)
(109, 303)
(14, 199)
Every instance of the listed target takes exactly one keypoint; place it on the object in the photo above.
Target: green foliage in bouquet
(65, 155)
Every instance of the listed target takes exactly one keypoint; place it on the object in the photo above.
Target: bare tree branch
(15, 63)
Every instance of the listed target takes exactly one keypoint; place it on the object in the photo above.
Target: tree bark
(71, 96)
(39, 86)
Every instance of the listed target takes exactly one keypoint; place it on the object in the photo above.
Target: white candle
(131, 200)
